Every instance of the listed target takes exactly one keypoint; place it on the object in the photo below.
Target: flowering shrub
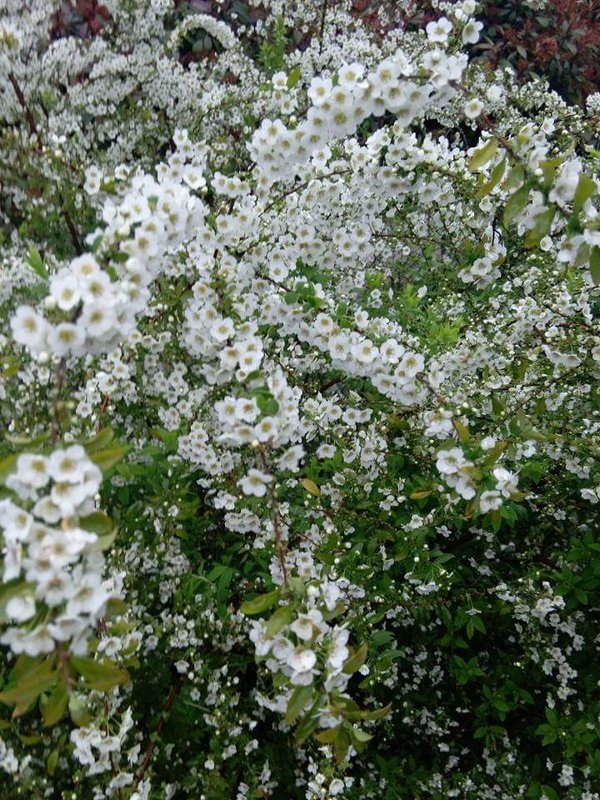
(299, 402)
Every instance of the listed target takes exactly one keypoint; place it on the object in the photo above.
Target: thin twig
(175, 689)
(105, 402)
(23, 103)
(275, 518)
(60, 380)
(322, 28)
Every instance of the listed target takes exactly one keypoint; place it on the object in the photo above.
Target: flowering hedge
(300, 410)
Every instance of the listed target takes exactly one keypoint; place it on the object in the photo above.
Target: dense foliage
(300, 408)
(558, 39)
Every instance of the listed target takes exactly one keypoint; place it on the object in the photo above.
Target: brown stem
(275, 518)
(175, 689)
(322, 28)
(60, 380)
(23, 103)
(72, 230)
(105, 401)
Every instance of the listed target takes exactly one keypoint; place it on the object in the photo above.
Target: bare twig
(322, 27)
(175, 689)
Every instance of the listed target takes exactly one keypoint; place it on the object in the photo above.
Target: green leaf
(36, 681)
(310, 486)
(309, 722)
(260, 603)
(420, 494)
(97, 522)
(115, 607)
(496, 176)
(586, 187)
(356, 660)
(103, 542)
(361, 736)
(281, 617)
(78, 710)
(514, 178)
(294, 77)
(52, 762)
(482, 155)
(364, 714)
(515, 204)
(36, 262)
(99, 441)
(549, 792)
(300, 697)
(29, 739)
(378, 713)
(99, 675)
(329, 735)
(462, 431)
(595, 264)
(55, 707)
(7, 466)
(543, 224)
(27, 441)
(549, 168)
(106, 459)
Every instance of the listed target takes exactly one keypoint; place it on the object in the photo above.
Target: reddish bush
(560, 42)
(81, 18)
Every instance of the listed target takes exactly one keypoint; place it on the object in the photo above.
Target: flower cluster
(53, 564)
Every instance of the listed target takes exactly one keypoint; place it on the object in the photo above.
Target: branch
(175, 689)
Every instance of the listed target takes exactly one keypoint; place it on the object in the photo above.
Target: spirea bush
(299, 409)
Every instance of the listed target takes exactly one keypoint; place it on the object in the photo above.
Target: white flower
(34, 643)
(15, 521)
(291, 458)
(306, 625)
(365, 352)
(97, 319)
(438, 30)
(68, 465)
(338, 654)
(222, 329)
(302, 663)
(591, 495)
(20, 608)
(90, 596)
(488, 442)
(391, 352)
(266, 429)
(45, 509)
(32, 470)
(464, 486)
(64, 287)
(339, 346)
(84, 268)
(471, 31)
(506, 482)
(29, 328)
(258, 637)
(473, 108)
(255, 483)
(66, 338)
(490, 501)
(247, 409)
(411, 364)
(450, 461)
